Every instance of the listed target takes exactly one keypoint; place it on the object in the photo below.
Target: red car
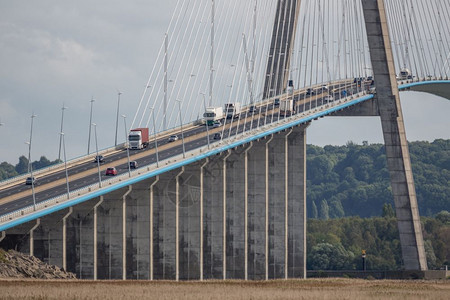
(111, 172)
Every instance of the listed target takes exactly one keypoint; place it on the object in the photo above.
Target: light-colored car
(173, 138)
(328, 98)
(217, 124)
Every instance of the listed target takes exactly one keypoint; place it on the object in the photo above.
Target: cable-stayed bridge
(228, 201)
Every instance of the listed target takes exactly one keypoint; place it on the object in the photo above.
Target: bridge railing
(60, 166)
(82, 159)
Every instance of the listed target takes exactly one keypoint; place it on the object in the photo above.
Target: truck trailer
(138, 138)
(232, 109)
(287, 103)
(213, 114)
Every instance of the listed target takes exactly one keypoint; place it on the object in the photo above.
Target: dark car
(99, 158)
(111, 171)
(133, 164)
(217, 135)
(310, 92)
(277, 102)
(30, 180)
(253, 109)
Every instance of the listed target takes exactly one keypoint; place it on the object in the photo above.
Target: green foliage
(388, 211)
(22, 166)
(337, 243)
(354, 179)
(325, 256)
(444, 217)
(324, 210)
(7, 170)
(315, 213)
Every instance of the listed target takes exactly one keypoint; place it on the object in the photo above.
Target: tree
(7, 171)
(336, 208)
(444, 217)
(314, 212)
(325, 256)
(324, 210)
(388, 211)
(22, 166)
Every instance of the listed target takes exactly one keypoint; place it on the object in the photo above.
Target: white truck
(138, 138)
(287, 103)
(232, 109)
(213, 114)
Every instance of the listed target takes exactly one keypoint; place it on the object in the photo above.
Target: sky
(55, 53)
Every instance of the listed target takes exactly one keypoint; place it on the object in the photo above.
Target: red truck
(138, 138)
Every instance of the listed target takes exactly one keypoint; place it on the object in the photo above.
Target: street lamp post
(181, 128)
(97, 158)
(206, 123)
(30, 165)
(117, 116)
(61, 136)
(65, 163)
(128, 148)
(90, 125)
(154, 131)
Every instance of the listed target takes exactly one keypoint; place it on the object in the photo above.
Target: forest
(337, 244)
(353, 180)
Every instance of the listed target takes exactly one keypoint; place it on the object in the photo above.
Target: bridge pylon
(389, 109)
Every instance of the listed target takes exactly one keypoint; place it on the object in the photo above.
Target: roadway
(19, 196)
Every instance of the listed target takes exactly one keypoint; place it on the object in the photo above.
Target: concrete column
(246, 211)
(151, 226)
(297, 203)
(276, 215)
(124, 233)
(213, 225)
(267, 210)
(202, 167)
(396, 145)
(189, 241)
(95, 237)
(236, 196)
(38, 222)
(257, 210)
(138, 231)
(177, 225)
(164, 231)
(65, 237)
(224, 217)
(286, 202)
(2, 237)
(110, 236)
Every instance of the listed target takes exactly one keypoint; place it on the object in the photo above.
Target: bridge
(229, 201)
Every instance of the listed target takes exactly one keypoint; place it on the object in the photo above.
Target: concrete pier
(238, 215)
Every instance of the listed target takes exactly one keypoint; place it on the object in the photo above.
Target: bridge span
(219, 203)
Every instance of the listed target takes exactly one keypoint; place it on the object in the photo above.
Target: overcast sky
(55, 52)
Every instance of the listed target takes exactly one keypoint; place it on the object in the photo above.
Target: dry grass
(277, 289)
